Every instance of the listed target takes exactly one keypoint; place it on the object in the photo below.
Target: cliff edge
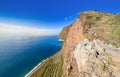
(91, 48)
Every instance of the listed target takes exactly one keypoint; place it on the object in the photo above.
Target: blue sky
(50, 14)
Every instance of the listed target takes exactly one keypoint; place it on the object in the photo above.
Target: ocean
(20, 55)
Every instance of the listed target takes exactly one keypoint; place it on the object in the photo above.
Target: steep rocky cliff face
(64, 32)
(74, 36)
(90, 25)
(91, 48)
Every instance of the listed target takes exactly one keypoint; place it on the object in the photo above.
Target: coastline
(38, 65)
(61, 40)
(36, 68)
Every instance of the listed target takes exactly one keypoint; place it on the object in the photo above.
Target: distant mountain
(91, 48)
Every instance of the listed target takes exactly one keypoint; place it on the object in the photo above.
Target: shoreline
(39, 65)
(61, 40)
(36, 68)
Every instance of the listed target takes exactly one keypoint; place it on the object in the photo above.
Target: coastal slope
(91, 48)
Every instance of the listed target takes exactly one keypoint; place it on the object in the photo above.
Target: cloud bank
(6, 29)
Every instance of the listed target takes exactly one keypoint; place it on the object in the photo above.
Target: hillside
(91, 48)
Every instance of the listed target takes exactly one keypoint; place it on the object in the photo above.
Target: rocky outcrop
(95, 59)
(91, 25)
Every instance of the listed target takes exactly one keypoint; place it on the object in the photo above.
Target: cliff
(64, 32)
(90, 49)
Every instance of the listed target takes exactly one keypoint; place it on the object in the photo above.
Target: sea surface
(19, 55)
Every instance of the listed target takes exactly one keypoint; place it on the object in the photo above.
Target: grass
(104, 66)
(105, 27)
(115, 33)
(51, 68)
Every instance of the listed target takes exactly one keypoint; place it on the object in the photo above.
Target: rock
(64, 32)
(92, 61)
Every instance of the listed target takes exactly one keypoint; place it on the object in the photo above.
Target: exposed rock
(95, 59)
(64, 32)
(91, 25)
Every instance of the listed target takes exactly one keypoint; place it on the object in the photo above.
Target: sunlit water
(18, 55)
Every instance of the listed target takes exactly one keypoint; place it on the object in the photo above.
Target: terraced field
(51, 68)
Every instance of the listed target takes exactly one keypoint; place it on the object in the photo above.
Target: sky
(50, 14)
(11, 30)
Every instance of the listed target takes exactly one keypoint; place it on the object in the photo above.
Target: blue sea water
(20, 55)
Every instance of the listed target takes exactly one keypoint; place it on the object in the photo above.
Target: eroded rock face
(64, 32)
(74, 36)
(92, 57)
(95, 59)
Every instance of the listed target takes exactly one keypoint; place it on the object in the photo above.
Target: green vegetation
(51, 68)
(104, 66)
(104, 26)
(115, 36)
(115, 33)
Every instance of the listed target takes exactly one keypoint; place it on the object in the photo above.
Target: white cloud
(6, 29)
(68, 18)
